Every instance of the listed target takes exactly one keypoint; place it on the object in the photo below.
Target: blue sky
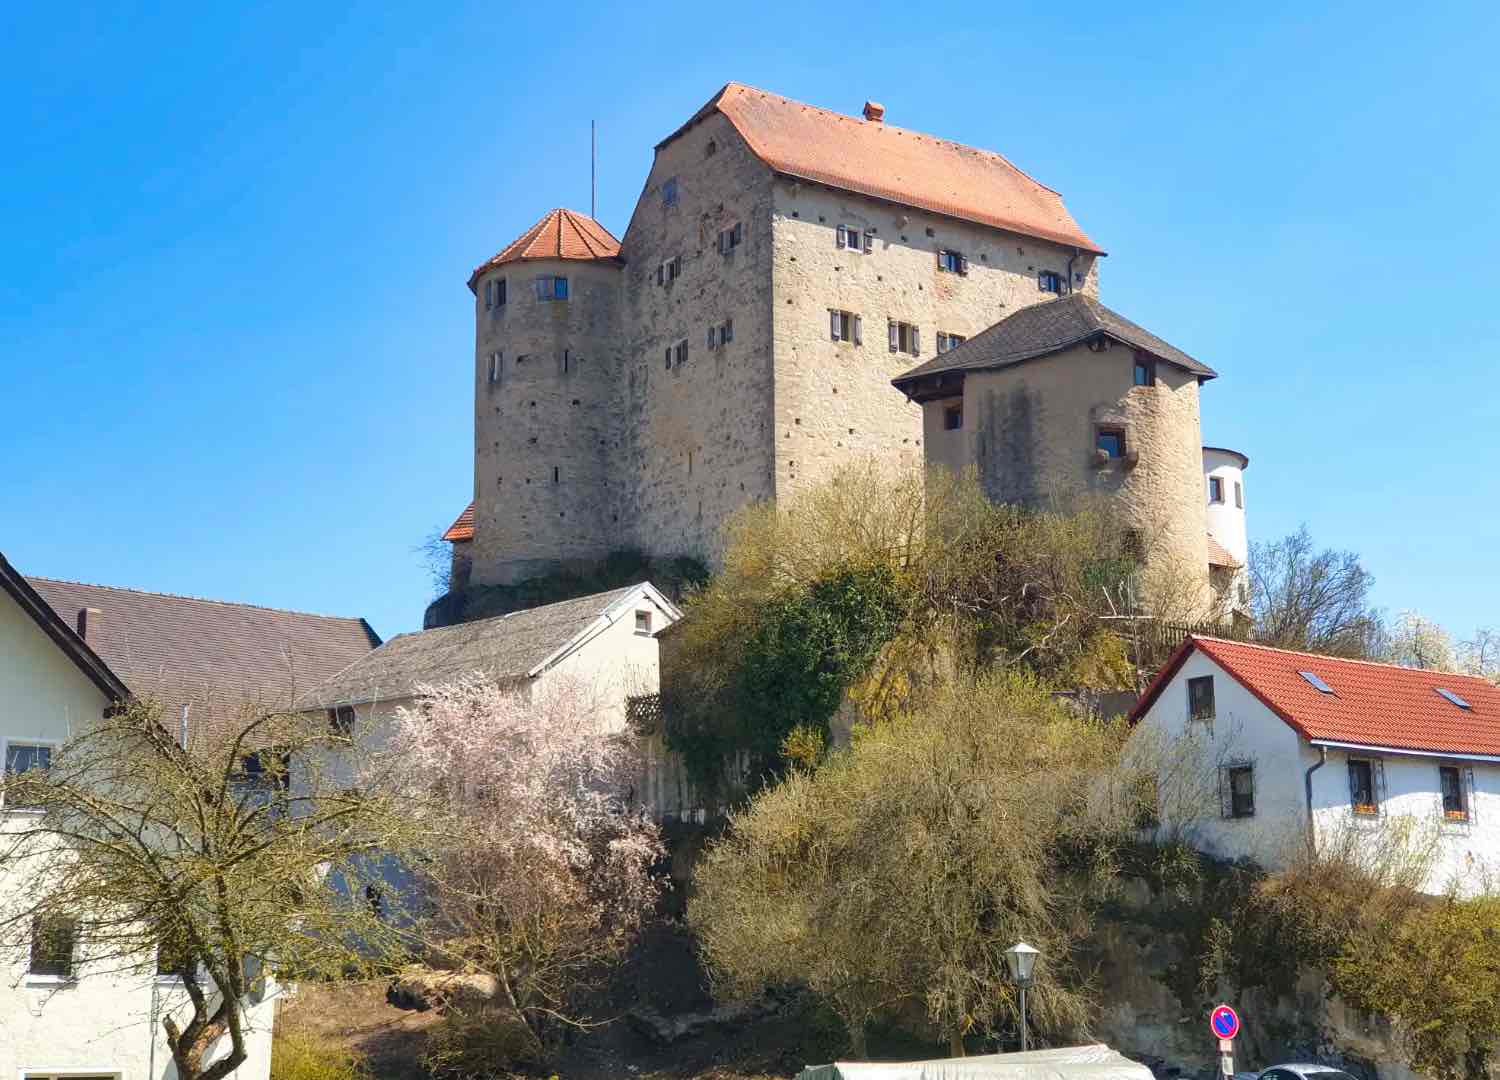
(237, 344)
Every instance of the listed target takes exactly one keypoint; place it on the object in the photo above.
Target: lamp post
(1021, 959)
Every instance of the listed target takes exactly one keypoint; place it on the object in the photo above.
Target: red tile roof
(1218, 556)
(905, 167)
(462, 527)
(561, 234)
(1376, 705)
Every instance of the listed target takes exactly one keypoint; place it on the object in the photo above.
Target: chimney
(89, 621)
(874, 112)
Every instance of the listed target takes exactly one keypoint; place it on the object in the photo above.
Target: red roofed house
(727, 349)
(1259, 742)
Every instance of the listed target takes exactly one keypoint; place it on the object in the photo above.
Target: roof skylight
(1451, 696)
(1317, 683)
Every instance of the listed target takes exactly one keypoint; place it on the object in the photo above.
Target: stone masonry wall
(696, 441)
(545, 433)
(834, 400)
(1030, 430)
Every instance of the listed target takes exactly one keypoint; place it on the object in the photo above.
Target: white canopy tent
(1096, 1062)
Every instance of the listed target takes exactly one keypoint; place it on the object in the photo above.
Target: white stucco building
(605, 644)
(61, 1013)
(1261, 749)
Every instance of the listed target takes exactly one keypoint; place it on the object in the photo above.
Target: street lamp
(1021, 959)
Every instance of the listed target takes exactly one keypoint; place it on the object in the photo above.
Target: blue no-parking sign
(1224, 1021)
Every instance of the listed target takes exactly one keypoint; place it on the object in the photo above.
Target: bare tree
(221, 865)
(1314, 600)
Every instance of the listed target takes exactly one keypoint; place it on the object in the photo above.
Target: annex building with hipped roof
(1261, 750)
(782, 265)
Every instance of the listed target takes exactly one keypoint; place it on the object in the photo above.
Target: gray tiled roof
(505, 647)
(219, 658)
(1047, 328)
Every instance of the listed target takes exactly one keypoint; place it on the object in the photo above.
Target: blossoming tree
(539, 873)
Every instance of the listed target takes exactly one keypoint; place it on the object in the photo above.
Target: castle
(634, 393)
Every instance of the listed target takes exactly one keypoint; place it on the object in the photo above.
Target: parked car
(1304, 1072)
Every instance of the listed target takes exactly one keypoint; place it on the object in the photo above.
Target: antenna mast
(593, 171)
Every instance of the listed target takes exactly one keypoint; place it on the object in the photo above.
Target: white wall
(1188, 755)
(103, 1021)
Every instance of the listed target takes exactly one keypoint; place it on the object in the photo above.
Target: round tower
(1224, 490)
(546, 312)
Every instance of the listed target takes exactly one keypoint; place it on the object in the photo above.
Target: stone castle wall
(696, 441)
(1030, 430)
(545, 432)
(833, 399)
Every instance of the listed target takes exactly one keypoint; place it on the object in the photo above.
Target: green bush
(478, 1045)
(301, 1055)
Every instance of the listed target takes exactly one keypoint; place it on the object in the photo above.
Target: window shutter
(1354, 789)
(833, 319)
(669, 356)
(869, 242)
(1226, 796)
(857, 337)
(916, 341)
(1378, 768)
(710, 337)
(1469, 803)
(723, 241)
(661, 272)
(894, 335)
(739, 234)
(843, 237)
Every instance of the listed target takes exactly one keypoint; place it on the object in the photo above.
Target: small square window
(1049, 281)
(844, 326)
(1215, 489)
(1111, 441)
(1145, 371)
(904, 337)
(643, 622)
(1201, 698)
(669, 192)
(953, 417)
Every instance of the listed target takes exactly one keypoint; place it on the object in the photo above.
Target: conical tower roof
(561, 234)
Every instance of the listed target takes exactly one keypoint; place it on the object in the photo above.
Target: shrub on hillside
(479, 1044)
(301, 1055)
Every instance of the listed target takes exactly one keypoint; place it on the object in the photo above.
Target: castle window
(711, 149)
(1215, 489)
(489, 290)
(1111, 440)
(551, 288)
(669, 271)
(844, 326)
(680, 354)
(953, 416)
(500, 292)
(904, 337)
(669, 192)
(949, 341)
(849, 238)
(496, 362)
(1145, 371)
(726, 332)
(1049, 281)
(1239, 495)
(713, 336)
(954, 262)
(729, 239)
(669, 358)
(556, 474)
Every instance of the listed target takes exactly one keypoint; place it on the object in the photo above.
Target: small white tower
(1229, 547)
